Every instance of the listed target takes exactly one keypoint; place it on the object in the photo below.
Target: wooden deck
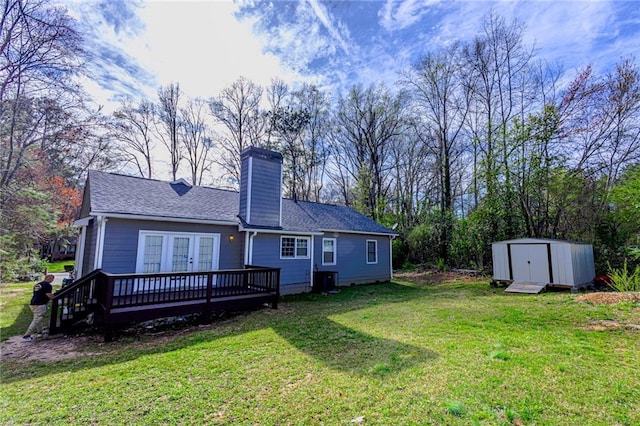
(110, 300)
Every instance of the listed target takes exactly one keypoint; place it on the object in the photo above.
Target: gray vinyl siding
(89, 255)
(244, 185)
(351, 259)
(121, 242)
(293, 272)
(265, 193)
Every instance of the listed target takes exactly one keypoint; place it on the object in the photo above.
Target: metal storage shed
(545, 262)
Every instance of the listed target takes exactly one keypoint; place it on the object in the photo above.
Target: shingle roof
(111, 193)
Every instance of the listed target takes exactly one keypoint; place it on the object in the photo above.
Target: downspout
(313, 239)
(391, 238)
(102, 224)
(79, 258)
(248, 248)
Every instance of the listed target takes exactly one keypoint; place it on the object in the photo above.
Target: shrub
(623, 279)
(21, 269)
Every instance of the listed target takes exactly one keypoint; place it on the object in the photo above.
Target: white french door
(177, 252)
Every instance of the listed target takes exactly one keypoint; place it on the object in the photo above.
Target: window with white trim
(372, 251)
(328, 251)
(294, 247)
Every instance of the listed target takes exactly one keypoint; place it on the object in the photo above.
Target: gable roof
(115, 194)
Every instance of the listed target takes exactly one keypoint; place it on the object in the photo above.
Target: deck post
(108, 302)
(55, 315)
(276, 274)
(207, 311)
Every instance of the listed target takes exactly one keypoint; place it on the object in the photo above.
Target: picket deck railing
(108, 300)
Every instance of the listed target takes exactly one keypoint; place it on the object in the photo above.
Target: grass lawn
(394, 353)
(58, 266)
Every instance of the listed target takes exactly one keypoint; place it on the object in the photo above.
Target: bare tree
(497, 74)
(414, 176)
(366, 124)
(168, 111)
(289, 125)
(39, 52)
(133, 127)
(316, 149)
(196, 138)
(237, 110)
(298, 125)
(623, 104)
(440, 100)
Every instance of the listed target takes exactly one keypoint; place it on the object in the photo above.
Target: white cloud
(200, 45)
(400, 14)
(567, 31)
(339, 33)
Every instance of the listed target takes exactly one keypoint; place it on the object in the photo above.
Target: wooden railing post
(108, 303)
(209, 295)
(55, 316)
(274, 305)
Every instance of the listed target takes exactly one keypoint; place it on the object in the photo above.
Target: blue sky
(206, 45)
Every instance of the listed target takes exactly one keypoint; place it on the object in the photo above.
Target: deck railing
(117, 298)
(73, 302)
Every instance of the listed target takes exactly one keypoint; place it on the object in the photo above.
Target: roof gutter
(162, 218)
(82, 222)
(277, 231)
(342, 231)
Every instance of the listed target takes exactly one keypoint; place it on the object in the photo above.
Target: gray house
(135, 225)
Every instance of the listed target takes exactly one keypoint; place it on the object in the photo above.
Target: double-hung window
(328, 251)
(294, 247)
(372, 251)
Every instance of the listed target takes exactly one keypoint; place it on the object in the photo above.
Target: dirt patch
(47, 350)
(150, 334)
(602, 325)
(609, 297)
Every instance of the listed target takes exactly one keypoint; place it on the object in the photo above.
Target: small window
(372, 251)
(328, 251)
(287, 247)
(294, 248)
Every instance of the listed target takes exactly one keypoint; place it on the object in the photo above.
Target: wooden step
(526, 287)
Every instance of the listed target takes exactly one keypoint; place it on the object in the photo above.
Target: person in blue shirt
(42, 293)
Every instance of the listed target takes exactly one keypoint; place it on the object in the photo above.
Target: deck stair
(526, 287)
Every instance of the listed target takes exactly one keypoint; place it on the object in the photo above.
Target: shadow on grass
(342, 348)
(20, 323)
(304, 321)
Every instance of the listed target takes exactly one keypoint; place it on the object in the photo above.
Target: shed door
(530, 263)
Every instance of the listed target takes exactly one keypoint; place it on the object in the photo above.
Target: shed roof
(116, 194)
(537, 241)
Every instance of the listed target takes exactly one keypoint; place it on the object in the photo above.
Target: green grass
(395, 353)
(15, 314)
(58, 266)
